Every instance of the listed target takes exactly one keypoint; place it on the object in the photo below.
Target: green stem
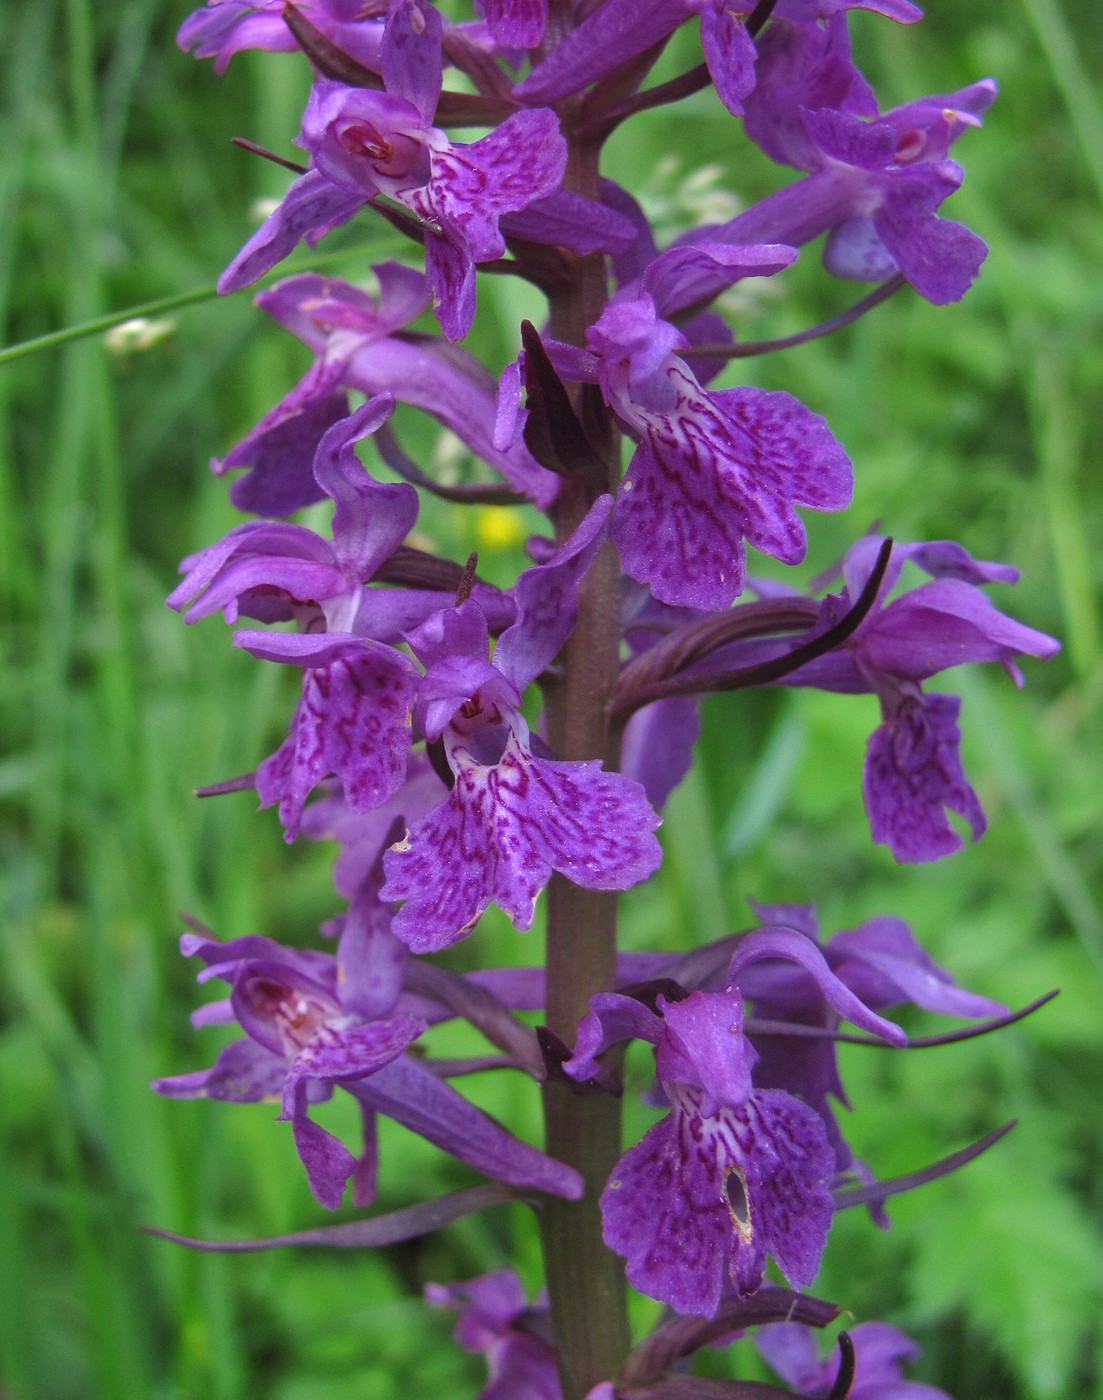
(98, 324)
(585, 1280)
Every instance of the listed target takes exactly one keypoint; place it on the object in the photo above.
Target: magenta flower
(495, 1319)
(300, 1041)
(913, 766)
(306, 1033)
(876, 185)
(730, 1175)
(222, 28)
(879, 1351)
(712, 469)
(513, 816)
(362, 343)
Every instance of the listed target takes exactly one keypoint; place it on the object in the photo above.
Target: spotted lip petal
(701, 1201)
(913, 773)
(502, 831)
(731, 1174)
(352, 721)
(711, 469)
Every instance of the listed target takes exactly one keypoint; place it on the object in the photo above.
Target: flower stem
(585, 1280)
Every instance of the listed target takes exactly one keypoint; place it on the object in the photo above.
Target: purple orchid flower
(300, 1041)
(359, 343)
(304, 1034)
(516, 24)
(731, 1174)
(366, 144)
(711, 469)
(879, 1351)
(875, 185)
(619, 30)
(495, 1319)
(353, 718)
(222, 28)
(513, 816)
(913, 767)
(277, 572)
(371, 144)
(787, 976)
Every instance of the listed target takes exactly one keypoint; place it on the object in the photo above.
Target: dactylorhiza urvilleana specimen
(467, 745)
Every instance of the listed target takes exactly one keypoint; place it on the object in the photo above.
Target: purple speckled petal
(675, 530)
(701, 1199)
(664, 1209)
(352, 721)
(547, 602)
(521, 161)
(713, 470)
(410, 55)
(912, 772)
(503, 830)
(279, 451)
(791, 946)
(883, 964)
(792, 1166)
(516, 24)
(612, 1018)
(451, 274)
(312, 207)
(244, 1072)
(414, 1096)
(657, 748)
(730, 54)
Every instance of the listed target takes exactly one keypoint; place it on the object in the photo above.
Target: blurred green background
(119, 186)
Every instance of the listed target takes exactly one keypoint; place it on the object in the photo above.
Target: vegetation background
(119, 186)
